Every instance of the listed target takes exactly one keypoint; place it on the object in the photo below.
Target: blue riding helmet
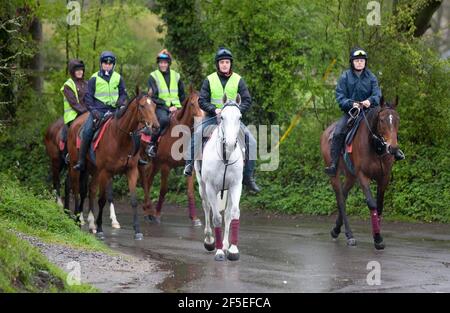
(163, 56)
(107, 57)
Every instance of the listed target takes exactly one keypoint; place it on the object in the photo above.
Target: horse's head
(230, 117)
(387, 124)
(146, 110)
(193, 98)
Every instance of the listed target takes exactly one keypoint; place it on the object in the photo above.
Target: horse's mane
(180, 113)
(372, 114)
(137, 97)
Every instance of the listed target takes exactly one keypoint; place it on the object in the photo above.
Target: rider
(106, 92)
(224, 80)
(357, 85)
(168, 94)
(73, 90)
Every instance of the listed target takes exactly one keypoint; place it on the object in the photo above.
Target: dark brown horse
(382, 122)
(114, 155)
(164, 160)
(52, 140)
(58, 164)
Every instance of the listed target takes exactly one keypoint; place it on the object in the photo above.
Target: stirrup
(188, 170)
(151, 150)
(331, 170)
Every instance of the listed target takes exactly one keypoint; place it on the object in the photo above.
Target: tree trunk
(36, 65)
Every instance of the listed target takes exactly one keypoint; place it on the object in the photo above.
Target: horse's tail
(222, 201)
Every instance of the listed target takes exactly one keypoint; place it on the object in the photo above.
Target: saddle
(352, 128)
(101, 127)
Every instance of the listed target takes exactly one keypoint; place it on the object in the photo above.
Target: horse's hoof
(378, 242)
(220, 256)
(209, 246)
(92, 231)
(196, 222)
(115, 225)
(152, 219)
(138, 236)
(100, 235)
(334, 234)
(233, 256)
(351, 242)
(379, 245)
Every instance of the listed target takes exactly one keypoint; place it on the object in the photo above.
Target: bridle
(222, 141)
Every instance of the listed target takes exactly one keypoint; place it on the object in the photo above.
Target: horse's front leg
(234, 196)
(112, 211)
(381, 188)
(208, 243)
(56, 171)
(132, 176)
(103, 181)
(342, 218)
(165, 170)
(147, 183)
(211, 195)
(92, 193)
(376, 231)
(348, 184)
(191, 202)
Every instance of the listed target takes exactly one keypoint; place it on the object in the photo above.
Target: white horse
(221, 169)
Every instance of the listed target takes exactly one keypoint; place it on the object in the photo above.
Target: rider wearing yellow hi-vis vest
(167, 93)
(73, 91)
(106, 93)
(224, 80)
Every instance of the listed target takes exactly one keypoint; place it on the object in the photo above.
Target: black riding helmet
(357, 53)
(223, 54)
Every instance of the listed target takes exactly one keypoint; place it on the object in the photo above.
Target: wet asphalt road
(290, 254)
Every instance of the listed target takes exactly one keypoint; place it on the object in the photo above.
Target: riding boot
(80, 166)
(249, 180)
(336, 147)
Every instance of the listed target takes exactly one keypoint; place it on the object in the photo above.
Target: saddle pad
(100, 133)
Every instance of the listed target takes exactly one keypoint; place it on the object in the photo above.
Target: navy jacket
(351, 88)
(96, 105)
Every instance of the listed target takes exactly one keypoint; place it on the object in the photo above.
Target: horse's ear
(150, 92)
(395, 104)
(382, 103)
(191, 89)
(137, 90)
(224, 99)
(238, 99)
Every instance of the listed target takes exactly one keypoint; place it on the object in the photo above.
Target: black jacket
(205, 95)
(154, 87)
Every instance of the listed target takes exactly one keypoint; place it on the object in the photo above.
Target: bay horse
(221, 169)
(114, 155)
(377, 131)
(58, 164)
(164, 161)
